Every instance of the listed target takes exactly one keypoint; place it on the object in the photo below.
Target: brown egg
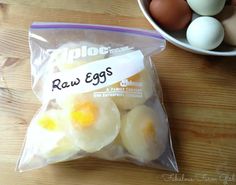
(228, 20)
(233, 2)
(172, 15)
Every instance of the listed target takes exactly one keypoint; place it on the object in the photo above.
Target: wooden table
(199, 94)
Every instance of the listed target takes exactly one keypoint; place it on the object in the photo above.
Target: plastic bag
(100, 97)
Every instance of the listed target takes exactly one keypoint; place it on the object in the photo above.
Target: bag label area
(95, 75)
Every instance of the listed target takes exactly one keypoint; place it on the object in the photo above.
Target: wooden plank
(14, 43)
(114, 7)
(20, 17)
(11, 71)
(16, 20)
(199, 94)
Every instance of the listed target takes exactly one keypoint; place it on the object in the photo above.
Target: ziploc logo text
(85, 51)
(70, 54)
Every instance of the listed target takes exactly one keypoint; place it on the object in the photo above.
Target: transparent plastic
(100, 96)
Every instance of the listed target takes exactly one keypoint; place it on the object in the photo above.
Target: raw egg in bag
(95, 121)
(143, 134)
(50, 138)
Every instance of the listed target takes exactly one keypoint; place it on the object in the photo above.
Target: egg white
(141, 147)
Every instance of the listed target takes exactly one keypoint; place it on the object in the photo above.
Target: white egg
(95, 121)
(127, 101)
(61, 56)
(206, 7)
(52, 138)
(205, 33)
(142, 133)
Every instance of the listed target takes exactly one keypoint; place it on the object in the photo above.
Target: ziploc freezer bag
(100, 97)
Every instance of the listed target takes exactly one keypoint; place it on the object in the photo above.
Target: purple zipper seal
(96, 27)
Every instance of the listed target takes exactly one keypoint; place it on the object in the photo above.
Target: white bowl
(179, 38)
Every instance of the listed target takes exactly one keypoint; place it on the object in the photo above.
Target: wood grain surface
(199, 94)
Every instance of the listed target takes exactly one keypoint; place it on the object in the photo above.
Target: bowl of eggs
(198, 26)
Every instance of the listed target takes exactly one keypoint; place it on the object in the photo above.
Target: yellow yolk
(47, 123)
(149, 130)
(84, 114)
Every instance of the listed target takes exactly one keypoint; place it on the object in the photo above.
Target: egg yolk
(84, 114)
(47, 123)
(149, 130)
